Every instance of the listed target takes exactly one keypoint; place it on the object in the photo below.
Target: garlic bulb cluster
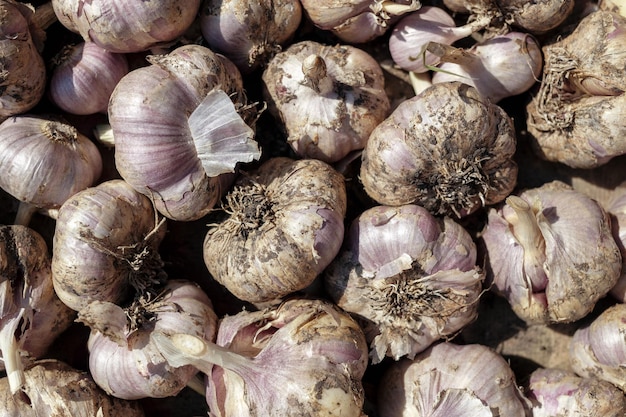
(54, 388)
(54, 156)
(179, 135)
(598, 349)
(84, 78)
(31, 314)
(127, 27)
(411, 277)
(329, 98)
(305, 357)
(556, 392)
(576, 117)
(357, 21)
(249, 32)
(451, 380)
(499, 67)
(283, 225)
(105, 245)
(23, 69)
(124, 361)
(551, 253)
(448, 149)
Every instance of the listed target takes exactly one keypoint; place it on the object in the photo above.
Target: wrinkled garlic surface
(283, 225)
(447, 149)
(329, 98)
(577, 116)
(410, 276)
(551, 253)
(451, 380)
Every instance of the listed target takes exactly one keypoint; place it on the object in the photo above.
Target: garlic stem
(316, 75)
(449, 53)
(25, 212)
(420, 81)
(394, 9)
(11, 354)
(197, 384)
(104, 134)
(44, 16)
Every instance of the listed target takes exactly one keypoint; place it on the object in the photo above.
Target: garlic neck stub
(412, 278)
(551, 253)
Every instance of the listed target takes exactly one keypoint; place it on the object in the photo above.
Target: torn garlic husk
(551, 253)
(409, 276)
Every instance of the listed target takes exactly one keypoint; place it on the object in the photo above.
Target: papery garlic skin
(283, 226)
(307, 358)
(329, 98)
(451, 380)
(105, 245)
(132, 367)
(54, 388)
(550, 252)
(557, 392)
(411, 277)
(170, 143)
(576, 118)
(127, 26)
(249, 32)
(448, 149)
(616, 207)
(599, 349)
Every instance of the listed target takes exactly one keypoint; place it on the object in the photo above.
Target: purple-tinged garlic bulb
(577, 117)
(54, 388)
(127, 26)
(329, 98)
(411, 277)
(249, 32)
(357, 21)
(84, 78)
(551, 253)
(123, 359)
(302, 358)
(451, 380)
(178, 133)
(557, 392)
(45, 161)
(499, 67)
(617, 209)
(599, 349)
(283, 224)
(448, 149)
(105, 245)
(31, 314)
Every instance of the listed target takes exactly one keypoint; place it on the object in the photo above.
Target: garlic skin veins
(305, 357)
(451, 380)
(124, 361)
(550, 252)
(599, 349)
(411, 277)
(329, 98)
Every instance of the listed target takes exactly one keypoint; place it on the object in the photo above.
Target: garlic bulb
(130, 26)
(537, 17)
(249, 32)
(357, 21)
(411, 277)
(451, 380)
(499, 67)
(178, 136)
(302, 358)
(448, 149)
(283, 226)
(617, 209)
(329, 98)
(105, 245)
(31, 314)
(54, 388)
(598, 349)
(57, 160)
(124, 361)
(576, 117)
(556, 392)
(551, 253)
(23, 69)
(84, 78)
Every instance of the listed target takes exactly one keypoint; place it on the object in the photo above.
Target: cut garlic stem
(315, 74)
(448, 53)
(25, 212)
(11, 354)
